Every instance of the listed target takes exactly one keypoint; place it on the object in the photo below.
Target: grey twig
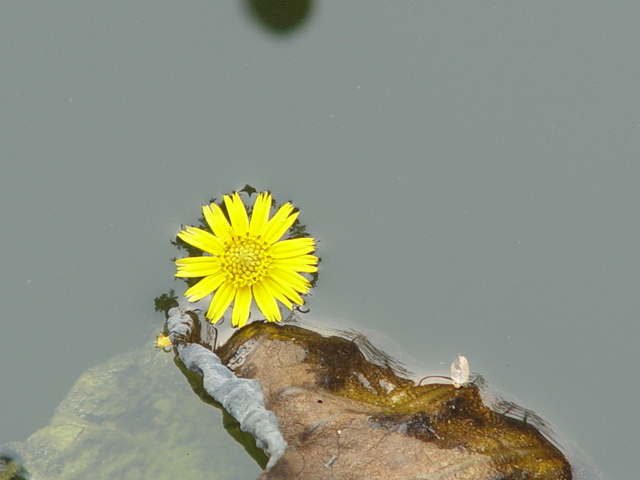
(241, 397)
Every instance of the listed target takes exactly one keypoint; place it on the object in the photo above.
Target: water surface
(470, 170)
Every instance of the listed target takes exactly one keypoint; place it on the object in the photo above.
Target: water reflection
(280, 17)
(583, 468)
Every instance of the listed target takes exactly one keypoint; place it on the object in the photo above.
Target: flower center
(245, 261)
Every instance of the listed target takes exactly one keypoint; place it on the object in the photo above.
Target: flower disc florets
(246, 261)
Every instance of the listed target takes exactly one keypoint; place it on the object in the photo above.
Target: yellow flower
(163, 341)
(248, 260)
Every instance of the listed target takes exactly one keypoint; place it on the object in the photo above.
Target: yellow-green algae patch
(438, 415)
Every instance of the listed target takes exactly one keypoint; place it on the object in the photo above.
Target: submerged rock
(345, 417)
(135, 417)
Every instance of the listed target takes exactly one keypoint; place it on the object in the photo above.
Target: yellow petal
(292, 279)
(204, 287)
(293, 247)
(237, 214)
(260, 213)
(203, 240)
(197, 266)
(280, 289)
(272, 288)
(279, 223)
(303, 263)
(266, 302)
(241, 307)
(216, 219)
(221, 301)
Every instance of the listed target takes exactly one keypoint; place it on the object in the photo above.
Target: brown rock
(345, 417)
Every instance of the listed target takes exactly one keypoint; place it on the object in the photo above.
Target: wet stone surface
(345, 417)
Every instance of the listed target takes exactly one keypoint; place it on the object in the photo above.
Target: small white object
(330, 462)
(460, 371)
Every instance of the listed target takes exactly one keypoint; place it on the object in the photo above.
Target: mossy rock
(135, 417)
